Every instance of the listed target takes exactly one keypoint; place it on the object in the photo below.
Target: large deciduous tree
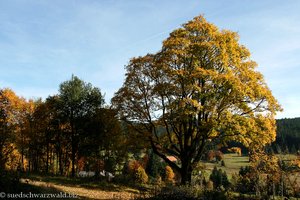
(201, 87)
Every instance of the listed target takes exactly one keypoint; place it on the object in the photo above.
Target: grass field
(233, 163)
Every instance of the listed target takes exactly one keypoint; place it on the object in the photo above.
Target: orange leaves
(12, 105)
(14, 110)
(296, 162)
(236, 150)
(170, 175)
(12, 157)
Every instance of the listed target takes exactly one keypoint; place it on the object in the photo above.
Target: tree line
(288, 135)
(61, 133)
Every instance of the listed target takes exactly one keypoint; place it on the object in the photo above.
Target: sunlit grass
(233, 163)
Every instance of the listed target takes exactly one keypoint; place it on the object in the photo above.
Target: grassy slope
(233, 163)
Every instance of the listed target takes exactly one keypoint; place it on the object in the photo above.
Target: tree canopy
(201, 87)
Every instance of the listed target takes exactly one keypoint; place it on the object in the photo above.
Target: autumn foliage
(140, 175)
(13, 113)
(201, 87)
(170, 176)
(66, 132)
(236, 150)
(214, 155)
(136, 172)
(132, 166)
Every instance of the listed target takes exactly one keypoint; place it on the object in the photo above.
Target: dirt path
(81, 192)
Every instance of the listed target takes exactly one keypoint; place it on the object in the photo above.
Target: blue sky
(44, 42)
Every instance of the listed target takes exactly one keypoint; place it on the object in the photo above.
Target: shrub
(213, 155)
(132, 166)
(219, 155)
(140, 175)
(247, 180)
(219, 178)
(296, 162)
(210, 156)
(236, 150)
(169, 178)
(209, 185)
(135, 172)
(222, 163)
(158, 180)
(155, 167)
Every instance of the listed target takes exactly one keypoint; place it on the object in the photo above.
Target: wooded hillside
(288, 133)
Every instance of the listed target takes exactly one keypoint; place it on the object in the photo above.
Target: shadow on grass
(88, 183)
(240, 161)
(27, 191)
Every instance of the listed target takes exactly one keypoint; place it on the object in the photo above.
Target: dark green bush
(219, 178)
(247, 180)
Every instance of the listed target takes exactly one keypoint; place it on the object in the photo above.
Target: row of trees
(53, 135)
(288, 135)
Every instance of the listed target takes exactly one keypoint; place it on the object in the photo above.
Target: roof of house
(172, 158)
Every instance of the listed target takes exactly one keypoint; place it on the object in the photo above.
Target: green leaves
(79, 98)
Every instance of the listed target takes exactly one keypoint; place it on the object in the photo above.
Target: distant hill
(288, 133)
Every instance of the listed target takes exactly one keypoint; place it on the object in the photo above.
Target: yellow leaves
(12, 156)
(254, 132)
(202, 84)
(15, 107)
(193, 105)
(296, 162)
(214, 133)
(11, 105)
(170, 175)
(14, 116)
(236, 150)
(264, 163)
(202, 72)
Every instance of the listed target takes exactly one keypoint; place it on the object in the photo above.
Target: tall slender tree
(78, 99)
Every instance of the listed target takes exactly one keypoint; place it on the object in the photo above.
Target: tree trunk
(60, 162)
(59, 151)
(47, 160)
(73, 154)
(73, 143)
(22, 152)
(186, 174)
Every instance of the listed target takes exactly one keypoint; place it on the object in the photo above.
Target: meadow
(91, 188)
(233, 163)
